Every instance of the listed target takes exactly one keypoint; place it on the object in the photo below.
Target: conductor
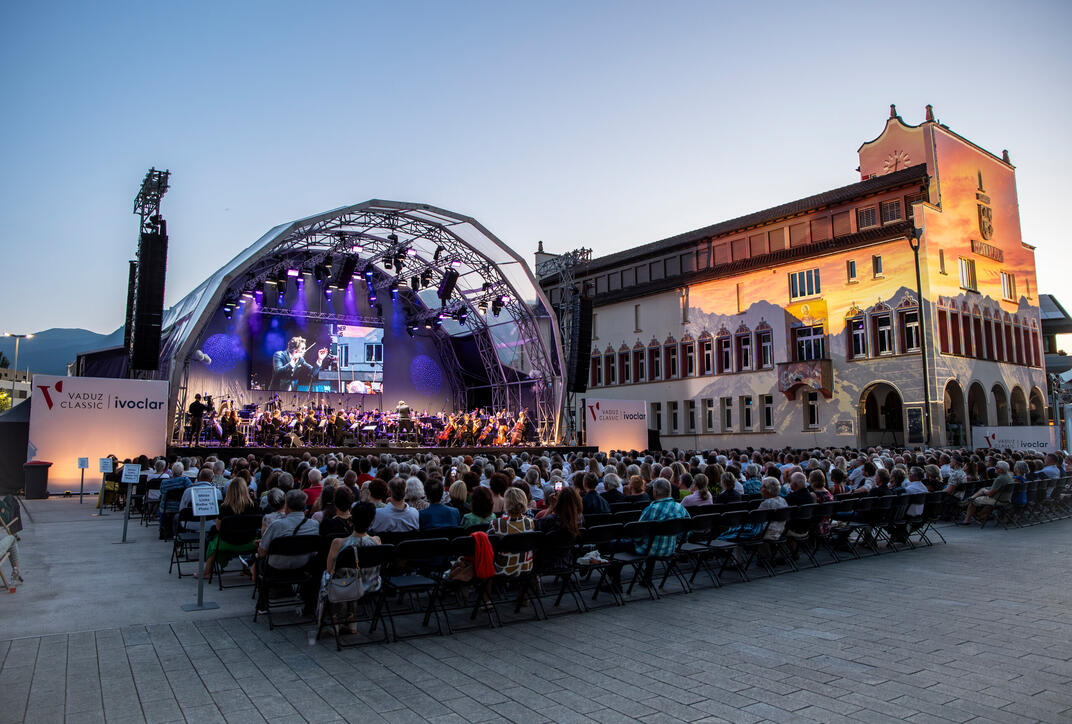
(405, 419)
(289, 368)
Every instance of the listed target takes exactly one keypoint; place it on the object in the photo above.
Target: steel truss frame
(374, 234)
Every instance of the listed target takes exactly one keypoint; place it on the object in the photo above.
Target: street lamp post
(913, 241)
(17, 337)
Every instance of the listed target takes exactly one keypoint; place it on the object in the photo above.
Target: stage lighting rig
(388, 262)
(496, 306)
(438, 250)
(482, 307)
(415, 282)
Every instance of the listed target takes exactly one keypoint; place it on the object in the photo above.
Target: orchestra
(323, 426)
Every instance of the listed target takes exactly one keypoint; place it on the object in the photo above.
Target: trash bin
(36, 479)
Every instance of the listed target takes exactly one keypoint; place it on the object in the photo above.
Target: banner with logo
(616, 424)
(1036, 438)
(78, 417)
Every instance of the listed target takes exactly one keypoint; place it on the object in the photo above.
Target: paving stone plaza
(979, 629)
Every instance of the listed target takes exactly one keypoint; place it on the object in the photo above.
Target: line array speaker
(580, 351)
(149, 301)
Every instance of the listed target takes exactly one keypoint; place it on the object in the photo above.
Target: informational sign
(94, 416)
(1034, 438)
(616, 424)
(131, 472)
(105, 465)
(203, 498)
(83, 463)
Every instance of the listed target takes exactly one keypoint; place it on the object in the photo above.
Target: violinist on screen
(289, 368)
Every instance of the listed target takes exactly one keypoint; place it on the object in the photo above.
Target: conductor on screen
(289, 368)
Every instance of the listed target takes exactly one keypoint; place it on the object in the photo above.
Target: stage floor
(226, 453)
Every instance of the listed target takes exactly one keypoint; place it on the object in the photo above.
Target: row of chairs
(415, 567)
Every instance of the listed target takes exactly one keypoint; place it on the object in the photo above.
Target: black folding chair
(698, 548)
(601, 538)
(556, 559)
(184, 543)
(270, 580)
(238, 531)
(417, 570)
(525, 546)
(346, 561)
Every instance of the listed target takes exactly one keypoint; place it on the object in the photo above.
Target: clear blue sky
(603, 124)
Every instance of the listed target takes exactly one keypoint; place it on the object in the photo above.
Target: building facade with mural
(801, 324)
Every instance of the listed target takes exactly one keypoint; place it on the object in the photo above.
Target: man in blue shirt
(168, 508)
(1051, 470)
(662, 508)
(593, 502)
(437, 515)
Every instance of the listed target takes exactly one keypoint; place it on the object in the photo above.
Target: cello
(448, 430)
(519, 428)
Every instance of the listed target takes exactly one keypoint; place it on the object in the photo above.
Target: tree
(5, 400)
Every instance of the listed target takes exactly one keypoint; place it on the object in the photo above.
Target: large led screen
(297, 354)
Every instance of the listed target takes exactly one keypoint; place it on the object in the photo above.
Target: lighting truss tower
(147, 208)
(566, 267)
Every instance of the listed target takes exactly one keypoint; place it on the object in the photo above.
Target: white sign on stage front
(203, 500)
(96, 416)
(131, 471)
(105, 464)
(616, 424)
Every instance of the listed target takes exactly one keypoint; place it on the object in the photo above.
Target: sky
(597, 124)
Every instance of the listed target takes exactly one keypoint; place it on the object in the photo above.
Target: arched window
(688, 356)
(596, 375)
(624, 365)
(610, 371)
(671, 369)
(723, 351)
(706, 353)
(764, 345)
(655, 360)
(908, 326)
(977, 332)
(742, 344)
(638, 362)
(856, 334)
(881, 330)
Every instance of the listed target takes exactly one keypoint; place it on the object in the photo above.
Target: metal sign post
(204, 503)
(131, 473)
(105, 468)
(83, 465)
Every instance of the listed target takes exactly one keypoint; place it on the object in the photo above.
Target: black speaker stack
(148, 312)
(580, 350)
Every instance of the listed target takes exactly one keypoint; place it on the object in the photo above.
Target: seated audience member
(565, 516)
(275, 500)
(663, 507)
(397, 515)
(377, 492)
(415, 494)
(361, 515)
(314, 487)
(513, 521)
(459, 494)
(293, 523)
(437, 515)
(612, 489)
(235, 502)
(481, 514)
(799, 494)
(168, 508)
(752, 484)
(983, 502)
(637, 494)
(729, 492)
(335, 521)
(592, 501)
(698, 492)
(498, 483)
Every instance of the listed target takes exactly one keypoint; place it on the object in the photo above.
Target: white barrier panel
(616, 424)
(1036, 438)
(76, 417)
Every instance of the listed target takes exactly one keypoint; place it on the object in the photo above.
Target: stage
(226, 453)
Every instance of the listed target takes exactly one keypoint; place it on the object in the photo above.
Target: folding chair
(295, 579)
(800, 529)
(184, 543)
(639, 562)
(417, 569)
(346, 561)
(602, 538)
(9, 541)
(698, 548)
(678, 529)
(240, 532)
(556, 558)
(524, 545)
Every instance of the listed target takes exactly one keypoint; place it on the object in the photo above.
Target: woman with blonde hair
(513, 520)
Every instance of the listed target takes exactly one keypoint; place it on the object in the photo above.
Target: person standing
(197, 412)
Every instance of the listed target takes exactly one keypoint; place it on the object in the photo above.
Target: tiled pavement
(977, 630)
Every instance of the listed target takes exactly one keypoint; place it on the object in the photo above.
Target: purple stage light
(292, 272)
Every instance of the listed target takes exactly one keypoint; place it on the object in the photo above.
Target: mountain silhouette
(50, 351)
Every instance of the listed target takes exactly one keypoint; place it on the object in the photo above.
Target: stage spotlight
(463, 314)
(345, 272)
(438, 250)
(410, 251)
(496, 306)
(415, 283)
(394, 288)
(282, 295)
(393, 238)
(291, 272)
(247, 294)
(483, 306)
(264, 287)
(327, 291)
(400, 259)
(455, 263)
(410, 330)
(327, 262)
(426, 278)
(388, 262)
(428, 324)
